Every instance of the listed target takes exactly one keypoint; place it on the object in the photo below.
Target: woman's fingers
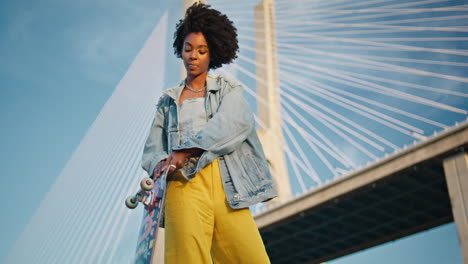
(172, 169)
(179, 158)
(174, 162)
(174, 165)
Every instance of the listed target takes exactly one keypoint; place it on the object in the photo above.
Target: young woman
(204, 134)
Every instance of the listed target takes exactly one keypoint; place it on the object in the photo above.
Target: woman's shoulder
(225, 81)
(169, 94)
(165, 98)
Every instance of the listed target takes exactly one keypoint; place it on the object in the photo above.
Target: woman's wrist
(184, 153)
(192, 152)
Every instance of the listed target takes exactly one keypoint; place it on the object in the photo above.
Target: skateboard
(152, 195)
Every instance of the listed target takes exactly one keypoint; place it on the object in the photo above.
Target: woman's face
(195, 54)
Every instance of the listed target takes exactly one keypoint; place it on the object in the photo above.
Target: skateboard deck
(153, 200)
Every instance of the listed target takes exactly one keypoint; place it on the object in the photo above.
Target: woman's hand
(174, 162)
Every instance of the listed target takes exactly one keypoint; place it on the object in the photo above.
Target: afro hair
(218, 30)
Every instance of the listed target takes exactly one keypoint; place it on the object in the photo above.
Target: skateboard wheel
(131, 202)
(147, 184)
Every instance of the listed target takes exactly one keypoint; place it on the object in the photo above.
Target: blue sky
(61, 62)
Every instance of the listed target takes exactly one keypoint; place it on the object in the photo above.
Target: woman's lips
(192, 66)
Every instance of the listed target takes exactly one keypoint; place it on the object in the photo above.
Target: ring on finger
(173, 166)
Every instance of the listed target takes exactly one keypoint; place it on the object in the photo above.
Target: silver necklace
(193, 90)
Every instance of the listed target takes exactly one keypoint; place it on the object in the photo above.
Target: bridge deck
(395, 197)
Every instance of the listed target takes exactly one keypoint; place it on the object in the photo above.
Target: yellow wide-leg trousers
(201, 227)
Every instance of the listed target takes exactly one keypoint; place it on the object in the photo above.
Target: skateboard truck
(147, 195)
(144, 195)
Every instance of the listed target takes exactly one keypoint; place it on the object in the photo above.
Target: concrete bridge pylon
(268, 98)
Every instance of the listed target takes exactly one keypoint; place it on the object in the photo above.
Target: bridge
(398, 196)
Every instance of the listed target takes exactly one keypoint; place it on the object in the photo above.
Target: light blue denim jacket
(229, 136)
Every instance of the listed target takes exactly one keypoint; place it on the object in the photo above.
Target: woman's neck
(197, 82)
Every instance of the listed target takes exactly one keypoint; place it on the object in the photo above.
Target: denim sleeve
(155, 148)
(228, 127)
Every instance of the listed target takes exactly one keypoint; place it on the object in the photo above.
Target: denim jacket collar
(211, 86)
